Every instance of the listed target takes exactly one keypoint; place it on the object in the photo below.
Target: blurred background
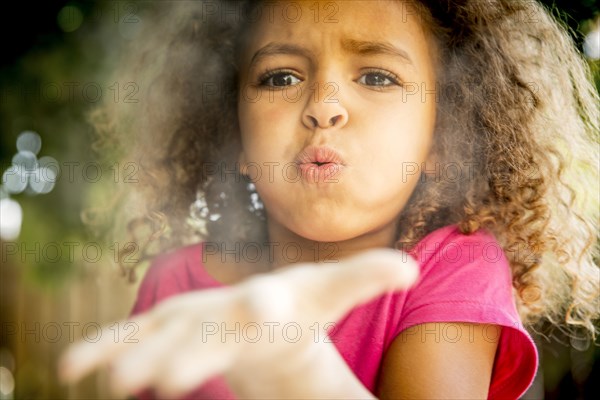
(58, 282)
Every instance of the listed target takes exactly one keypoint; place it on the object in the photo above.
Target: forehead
(329, 24)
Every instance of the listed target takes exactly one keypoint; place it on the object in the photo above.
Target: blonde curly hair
(516, 104)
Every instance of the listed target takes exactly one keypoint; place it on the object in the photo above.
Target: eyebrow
(280, 48)
(361, 47)
(367, 47)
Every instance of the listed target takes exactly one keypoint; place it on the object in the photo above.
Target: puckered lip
(319, 164)
(319, 155)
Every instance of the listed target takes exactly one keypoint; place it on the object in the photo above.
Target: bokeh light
(69, 18)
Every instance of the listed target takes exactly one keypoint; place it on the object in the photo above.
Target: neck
(287, 247)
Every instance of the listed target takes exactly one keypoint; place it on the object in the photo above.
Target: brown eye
(378, 79)
(279, 79)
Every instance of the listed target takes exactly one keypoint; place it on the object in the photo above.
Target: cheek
(265, 126)
(395, 144)
(401, 129)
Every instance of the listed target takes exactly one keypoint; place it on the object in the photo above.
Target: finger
(329, 291)
(179, 321)
(83, 357)
(190, 366)
(140, 366)
(186, 320)
(211, 348)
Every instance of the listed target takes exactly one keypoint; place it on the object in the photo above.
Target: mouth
(319, 164)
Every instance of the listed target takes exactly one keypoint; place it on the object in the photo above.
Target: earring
(256, 206)
(199, 209)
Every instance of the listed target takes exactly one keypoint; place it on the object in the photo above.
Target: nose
(323, 110)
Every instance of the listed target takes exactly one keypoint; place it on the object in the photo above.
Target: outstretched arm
(175, 355)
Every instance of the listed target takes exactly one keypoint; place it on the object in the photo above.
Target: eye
(379, 78)
(278, 79)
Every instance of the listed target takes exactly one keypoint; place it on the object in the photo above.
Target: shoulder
(177, 271)
(448, 245)
(460, 267)
(464, 277)
(178, 267)
(467, 279)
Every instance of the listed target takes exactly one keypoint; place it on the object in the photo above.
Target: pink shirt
(464, 278)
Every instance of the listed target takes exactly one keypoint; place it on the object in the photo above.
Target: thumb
(331, 290)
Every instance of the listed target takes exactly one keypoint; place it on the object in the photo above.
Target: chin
(326, 231)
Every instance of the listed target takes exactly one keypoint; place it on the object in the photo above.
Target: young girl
(307, 135)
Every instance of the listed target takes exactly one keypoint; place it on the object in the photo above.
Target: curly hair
(515, 104)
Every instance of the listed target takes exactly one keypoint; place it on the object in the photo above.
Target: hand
(178, 348)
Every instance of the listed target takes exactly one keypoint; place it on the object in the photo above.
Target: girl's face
(349, 87)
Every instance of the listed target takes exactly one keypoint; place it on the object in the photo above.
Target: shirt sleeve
(467, 278)
(169, 274)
